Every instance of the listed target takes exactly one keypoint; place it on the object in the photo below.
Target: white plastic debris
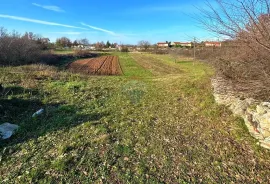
(7, 130)
(39, 112)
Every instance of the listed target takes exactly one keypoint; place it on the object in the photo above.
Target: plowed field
(105, 65)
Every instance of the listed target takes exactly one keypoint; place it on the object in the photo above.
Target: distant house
(78, 46)
(163, 44)
(212, 44)
(89, 47)
(182, 44)
(118, 47)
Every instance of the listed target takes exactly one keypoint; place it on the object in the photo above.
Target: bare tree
(100, 45)
(63, 42)
(247, 24)
(245, 20)
(83, 41)
(16, 49)
(144, 44)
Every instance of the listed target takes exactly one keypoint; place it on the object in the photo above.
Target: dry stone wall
(255, 114)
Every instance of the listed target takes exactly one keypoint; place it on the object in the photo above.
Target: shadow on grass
(60, 60)
(17, 90)
(55, 117)
(184, 62)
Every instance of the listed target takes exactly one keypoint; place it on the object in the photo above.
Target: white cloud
(73, 32)
(39, 21)
(68, 33)
(99, 29)
(52, 8)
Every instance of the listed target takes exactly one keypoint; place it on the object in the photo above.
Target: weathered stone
(257, 120)
(265, 145)
(266, 133)
(239, 107)
(267, 140)
(250, 101)
(267, 104)
(262, 109)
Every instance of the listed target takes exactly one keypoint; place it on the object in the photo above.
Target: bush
(160, 51)
(81, 53)
(246, 57)
(124, 49)
(18, 50)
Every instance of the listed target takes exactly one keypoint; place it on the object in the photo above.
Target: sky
(119, 21)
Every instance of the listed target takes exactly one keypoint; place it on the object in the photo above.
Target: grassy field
(158, 123)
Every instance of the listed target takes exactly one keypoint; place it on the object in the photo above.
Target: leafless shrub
(245, 20)
(124, 49)
(17, 50)
(201, 53)
(247, 24)
(81, 53)
(160, 51)
(143, 44)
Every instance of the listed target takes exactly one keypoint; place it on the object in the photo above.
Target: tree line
(66, 42)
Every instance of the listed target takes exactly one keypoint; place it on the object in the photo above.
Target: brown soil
(105, 65)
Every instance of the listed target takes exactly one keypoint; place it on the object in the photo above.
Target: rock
(262, 109)
(239, 107)
(266, 133)
(250, 101)
(257, 120)
(265, 145)
(267, 140)
(7, 130)
(267, 104)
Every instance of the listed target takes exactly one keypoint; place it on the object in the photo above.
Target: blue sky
(118, 21)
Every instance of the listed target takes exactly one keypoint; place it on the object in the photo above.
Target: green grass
(131, 68)
(135, 128)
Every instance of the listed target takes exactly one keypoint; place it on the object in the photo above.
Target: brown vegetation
(246, 23)
(18, 49)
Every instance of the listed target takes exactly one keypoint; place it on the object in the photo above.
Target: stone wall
(255, 114)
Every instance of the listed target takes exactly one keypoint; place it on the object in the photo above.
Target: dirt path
(156, 66)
